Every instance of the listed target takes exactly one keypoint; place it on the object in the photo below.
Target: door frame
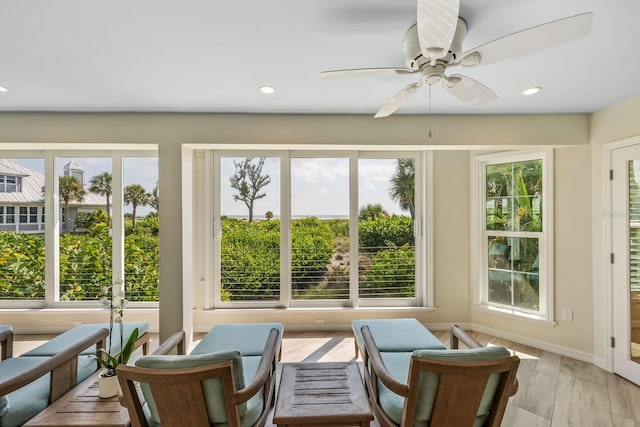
(602, 336)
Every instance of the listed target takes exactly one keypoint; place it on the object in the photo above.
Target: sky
(320, 187)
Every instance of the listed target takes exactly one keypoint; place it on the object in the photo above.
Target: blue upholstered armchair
(440, 388)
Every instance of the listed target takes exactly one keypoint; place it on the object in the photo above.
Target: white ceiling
(211, 56)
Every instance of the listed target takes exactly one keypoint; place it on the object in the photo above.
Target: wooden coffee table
(322, 393)
(82, 406)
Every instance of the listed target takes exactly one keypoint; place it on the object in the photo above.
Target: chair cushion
(247, 338)
(398, 365)
(212, 388)
(26, 402)
(62, 341)
(255, 405)
(4, 405)
(397, 335)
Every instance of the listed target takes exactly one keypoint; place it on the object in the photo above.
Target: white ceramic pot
(108, 386)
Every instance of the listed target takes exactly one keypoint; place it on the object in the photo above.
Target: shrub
(21, 266)
(250, 268)
(391, 274)
(385, 231)
(311, 250)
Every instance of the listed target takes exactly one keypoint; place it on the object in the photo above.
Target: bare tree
(248, 180)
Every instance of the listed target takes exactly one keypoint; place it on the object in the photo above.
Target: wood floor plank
(620, 421)
(538, 379)
(515, 416)
(624, 397)
(588, 406)
(583, 370)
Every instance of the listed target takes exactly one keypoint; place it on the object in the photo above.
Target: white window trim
(423, 227)
(52, 206)
(478, 256)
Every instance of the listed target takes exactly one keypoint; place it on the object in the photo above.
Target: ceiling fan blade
(468, 90)
(530, 40)
(365, 72)
(397, 100)
(437, 21)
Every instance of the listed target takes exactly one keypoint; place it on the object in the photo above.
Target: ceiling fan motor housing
(411, 46)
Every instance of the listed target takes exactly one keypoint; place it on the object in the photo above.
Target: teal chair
(440, 388)
(219, 388)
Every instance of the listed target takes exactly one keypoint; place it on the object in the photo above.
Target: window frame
(208, 172)
(480, 293)
(52, 221)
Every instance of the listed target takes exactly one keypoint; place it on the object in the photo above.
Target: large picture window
(513, 233)
(285, 223)
(101, 226)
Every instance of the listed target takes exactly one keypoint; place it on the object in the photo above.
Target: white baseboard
(542, 345)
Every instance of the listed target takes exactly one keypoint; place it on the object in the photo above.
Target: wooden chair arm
(266, 369)
(378, 366)
(6, 345)
(174, 341)
(459, 334)
(63, 368)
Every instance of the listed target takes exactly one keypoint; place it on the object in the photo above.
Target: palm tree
(154, 199)
(371, 211)
(403, 185)
(137, 196)
(70, 189)
(101, 185)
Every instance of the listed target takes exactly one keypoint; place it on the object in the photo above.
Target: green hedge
(390, 275)
(85, 265)
(381, 232)
(250, 260)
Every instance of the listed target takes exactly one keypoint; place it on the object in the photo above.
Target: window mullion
(117, 249)
(52, 232)
(354, 248)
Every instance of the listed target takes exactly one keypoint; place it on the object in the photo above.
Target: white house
(22, 199)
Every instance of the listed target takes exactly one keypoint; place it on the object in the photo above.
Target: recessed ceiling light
(3, 89)
(532, 91)
(266, 89)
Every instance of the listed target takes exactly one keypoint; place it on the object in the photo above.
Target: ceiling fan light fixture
(267, 89)
(532, 91)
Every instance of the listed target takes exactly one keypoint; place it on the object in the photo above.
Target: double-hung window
(513, 233)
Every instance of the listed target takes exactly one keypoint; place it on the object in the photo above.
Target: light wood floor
(554, 390)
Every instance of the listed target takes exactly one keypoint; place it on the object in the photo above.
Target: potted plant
(107, 379)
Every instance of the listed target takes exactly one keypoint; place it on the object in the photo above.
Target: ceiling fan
(435, 43)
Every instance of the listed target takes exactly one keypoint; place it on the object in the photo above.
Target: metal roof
(33, 184)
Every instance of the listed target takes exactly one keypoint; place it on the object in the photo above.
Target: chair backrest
(459, 387)
(201, 389)
(185, 390)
